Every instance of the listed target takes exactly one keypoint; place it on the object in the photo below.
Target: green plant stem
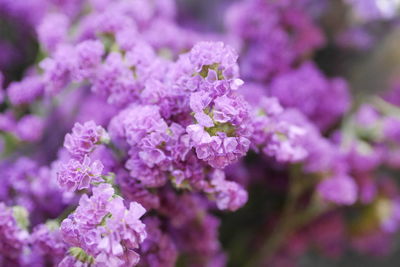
(386, 107)
(290, 221)
(283, 227)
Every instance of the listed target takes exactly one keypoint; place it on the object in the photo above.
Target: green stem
(386, 107)
(291, 220)
(65, 214)
(284, 226)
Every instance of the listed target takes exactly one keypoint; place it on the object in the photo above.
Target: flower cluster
(276, 36)
(102, 230)
(13, 233)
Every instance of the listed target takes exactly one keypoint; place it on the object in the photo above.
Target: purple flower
(30, 128)
(53, 30)
(89, 213)
(367, 116)
(13, 237)
(104, 230)
(221, 129)
(70, 260)
(7, 122)
(391, 129)
(135, 122)
(158, 249)
(25, 91)
(47, 239)
(230, 195)
(27, 184)
(309, 91)
(205, 54)
(193, 229)
(126, 227)
(363, 157)
(115, 80)
(76, 175)
(274, 135)
(154, 146)
(57, 70)
(84, 138)
(340, 190)
(218, 150)
(88, 58)
(272, 38)
(132, 190)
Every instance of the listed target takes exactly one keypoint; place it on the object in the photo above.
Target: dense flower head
(25, 91)
(220, 134)
(341, 190)
(30, 128)
(53, 30)
(76, 175)
(229, 195)
(46, 240)
(215, 71)
(146, 132)
(158, 249)
(115, 80)
(391, 131)
(205, 54)
(273, 135)
(57, 70)
(321, 99)
(218, 150)
(34, 187)
(133, 190)
(274, 37)
(13, 236)
(84, 138)
(88, 56)
(363, 157)
(189, 211)
(104, 229)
